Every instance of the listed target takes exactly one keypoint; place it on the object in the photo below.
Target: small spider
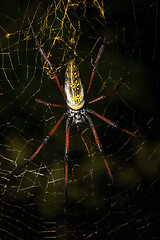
(76, 113)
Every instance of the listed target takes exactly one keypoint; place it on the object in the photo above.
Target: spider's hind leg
(99, 146)
(66, 153)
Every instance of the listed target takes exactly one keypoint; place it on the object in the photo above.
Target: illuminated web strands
(100, 147)
(113, 124)
(45, 140)
(46, 59)
(96, 62)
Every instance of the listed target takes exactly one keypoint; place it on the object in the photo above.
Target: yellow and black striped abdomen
(73, 87)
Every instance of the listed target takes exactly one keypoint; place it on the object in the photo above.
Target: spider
(76, 114)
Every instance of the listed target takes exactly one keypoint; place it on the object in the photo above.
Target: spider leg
(45, 140)
(50, 104)
(99, 146)
(113, 124)
(46, 59)
(96, 62)
(109, 93)
(66, 154)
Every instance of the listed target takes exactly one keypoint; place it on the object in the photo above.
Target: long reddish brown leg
(50, 104)
(46, 59)
(99, 146)
(66, 154)
(108, 94)
(45, 140)
(113, 124)
(96, 62)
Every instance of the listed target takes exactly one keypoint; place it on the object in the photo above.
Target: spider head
(77, 116)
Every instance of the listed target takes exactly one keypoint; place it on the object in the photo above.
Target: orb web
(33, 199)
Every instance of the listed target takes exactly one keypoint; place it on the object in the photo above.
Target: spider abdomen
(73, 87)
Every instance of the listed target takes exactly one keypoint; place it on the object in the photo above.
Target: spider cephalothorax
(76, 114)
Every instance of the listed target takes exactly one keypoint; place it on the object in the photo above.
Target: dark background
(96, 209)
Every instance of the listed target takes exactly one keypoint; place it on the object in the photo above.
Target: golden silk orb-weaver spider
(76, 114)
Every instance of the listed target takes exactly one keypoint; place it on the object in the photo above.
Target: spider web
(33, 201)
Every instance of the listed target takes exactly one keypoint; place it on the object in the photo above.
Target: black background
(128, 210)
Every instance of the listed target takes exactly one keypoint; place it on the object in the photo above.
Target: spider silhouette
(75, 113)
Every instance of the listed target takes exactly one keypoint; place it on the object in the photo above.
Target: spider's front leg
(42, 52)
(102, 47)
(50, 104)
(99, 146)
(109, 93)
